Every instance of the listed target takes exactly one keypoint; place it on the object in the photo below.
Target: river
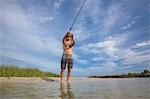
(132, 88)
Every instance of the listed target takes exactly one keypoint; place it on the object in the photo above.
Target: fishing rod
(77, 15)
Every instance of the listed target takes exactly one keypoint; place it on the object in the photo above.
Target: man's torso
(67, 48)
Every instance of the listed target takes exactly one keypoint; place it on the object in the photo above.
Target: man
(68, 43)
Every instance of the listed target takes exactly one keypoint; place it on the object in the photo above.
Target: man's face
(69, 37)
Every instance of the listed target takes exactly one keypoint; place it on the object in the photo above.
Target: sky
(112, 36)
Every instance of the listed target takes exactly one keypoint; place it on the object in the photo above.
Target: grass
(9, 70)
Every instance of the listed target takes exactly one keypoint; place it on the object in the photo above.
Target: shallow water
(135, 88)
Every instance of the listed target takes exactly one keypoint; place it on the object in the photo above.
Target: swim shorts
(66, 59)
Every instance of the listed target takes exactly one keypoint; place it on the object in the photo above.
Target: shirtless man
(68, 43)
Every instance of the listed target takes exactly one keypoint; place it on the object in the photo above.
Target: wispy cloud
(109, 37)
(23, 39)
(56, 5)
(78, 59)
(142, 44)
(113, 15)
(109, 45)
(109, 51)
(40, 62)
(130, 23)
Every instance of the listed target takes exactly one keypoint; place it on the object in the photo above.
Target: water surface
(135, 88)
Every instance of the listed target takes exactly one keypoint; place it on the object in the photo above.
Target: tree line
(145, 73)
(8, 70)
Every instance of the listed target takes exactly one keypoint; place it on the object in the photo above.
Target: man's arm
(73, 43)
(63, 41)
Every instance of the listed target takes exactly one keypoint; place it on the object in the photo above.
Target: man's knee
(69, 70)
(62, 70)
(63, 66)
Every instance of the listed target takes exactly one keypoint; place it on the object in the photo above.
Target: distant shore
(144, 74)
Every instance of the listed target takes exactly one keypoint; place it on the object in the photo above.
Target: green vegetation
(145, 73)
(16, 71)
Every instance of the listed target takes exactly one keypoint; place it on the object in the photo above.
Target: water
(135, 88)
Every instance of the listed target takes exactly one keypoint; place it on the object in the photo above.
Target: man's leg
(63, 66)
(62, 75)
(68, 76)
(70, 66)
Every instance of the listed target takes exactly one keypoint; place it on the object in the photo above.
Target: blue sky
(112, 36)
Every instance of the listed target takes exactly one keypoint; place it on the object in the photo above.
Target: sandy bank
(52, 79)
(28, 79)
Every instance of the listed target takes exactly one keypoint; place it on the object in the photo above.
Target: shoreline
(57, 78)
(27, 78)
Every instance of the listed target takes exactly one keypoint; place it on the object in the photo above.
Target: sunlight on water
(137, 88)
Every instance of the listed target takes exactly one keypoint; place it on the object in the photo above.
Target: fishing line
(77, 15)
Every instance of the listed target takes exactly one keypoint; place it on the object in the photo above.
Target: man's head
(69, 36)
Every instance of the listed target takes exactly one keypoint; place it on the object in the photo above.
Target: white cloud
(14, 18)
(108, 46)
(56, 5)
(132, 57)
(92, 11)
(27, 32)
(24, 36)
(103, 19)
(100, 69)
(109, 50)
(45, 19)
(78, 59)
(114, 14)
(130, 23)
(98, 58)
(110, 64)
(129, 57)
(42, 63)
(142, 44)
(32, 42)
(80, 33)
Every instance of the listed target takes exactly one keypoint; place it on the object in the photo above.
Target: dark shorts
(66, 59)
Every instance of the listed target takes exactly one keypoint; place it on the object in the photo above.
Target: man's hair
(69, 34)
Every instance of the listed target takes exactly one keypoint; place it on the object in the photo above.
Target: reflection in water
(90, 89)
(66, 94)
